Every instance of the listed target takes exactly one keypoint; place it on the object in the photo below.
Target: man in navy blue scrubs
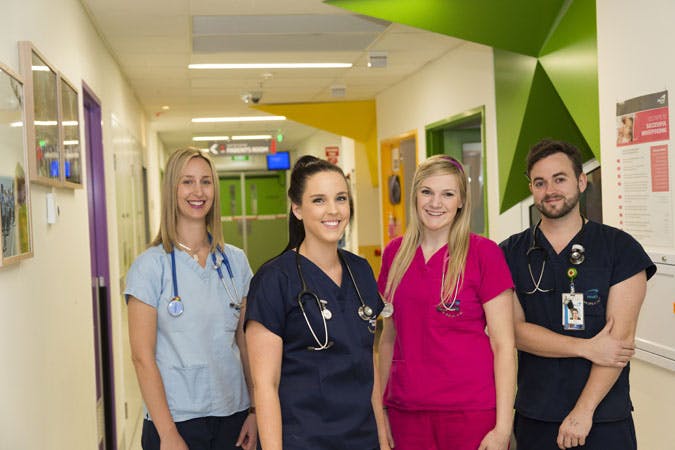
(579, 286)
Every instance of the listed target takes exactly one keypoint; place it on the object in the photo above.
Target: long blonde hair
(167, 235)
(458, 236)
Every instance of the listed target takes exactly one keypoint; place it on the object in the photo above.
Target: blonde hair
(458, 236)
(167, 235)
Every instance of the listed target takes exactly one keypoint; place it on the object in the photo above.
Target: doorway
(254, 213)
(398, 160)
(100, 273)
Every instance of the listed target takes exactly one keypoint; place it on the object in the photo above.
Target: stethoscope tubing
(576, 257)
(364, 311)
(176, 307)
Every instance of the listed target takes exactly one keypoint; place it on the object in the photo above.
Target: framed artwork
(16, 239)
(71, 154)
(52, 122)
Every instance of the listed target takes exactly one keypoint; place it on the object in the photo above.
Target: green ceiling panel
(570, 60)
(518, 25)
(546, 117)
(513, 80)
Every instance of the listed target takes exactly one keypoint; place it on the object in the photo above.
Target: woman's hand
(387, 428)
(248, 436)
(172, 441)
(495, 440)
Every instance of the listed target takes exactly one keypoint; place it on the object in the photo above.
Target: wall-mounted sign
(332, 154)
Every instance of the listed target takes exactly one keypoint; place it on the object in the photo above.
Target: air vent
(377, 59)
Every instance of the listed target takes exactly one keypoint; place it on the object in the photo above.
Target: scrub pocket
(187, 389)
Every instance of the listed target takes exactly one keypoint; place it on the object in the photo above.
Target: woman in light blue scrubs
(310, 325)
(185, 296)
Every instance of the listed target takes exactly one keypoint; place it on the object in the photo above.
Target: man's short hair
(548, 147)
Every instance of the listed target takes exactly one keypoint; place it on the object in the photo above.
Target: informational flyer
(643, 169)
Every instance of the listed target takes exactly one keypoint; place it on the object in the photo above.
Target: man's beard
(568, 205)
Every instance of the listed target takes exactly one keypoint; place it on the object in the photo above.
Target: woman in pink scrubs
(446, 354)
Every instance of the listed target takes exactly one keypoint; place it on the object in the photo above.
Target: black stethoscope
(364, 311)
(577, 256)
(176, 306)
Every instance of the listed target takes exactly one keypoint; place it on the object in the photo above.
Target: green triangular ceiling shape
(570, 59)
(519, 26)
(546, 117)
(513, 79)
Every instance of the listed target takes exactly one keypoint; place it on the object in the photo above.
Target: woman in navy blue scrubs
(310, 323)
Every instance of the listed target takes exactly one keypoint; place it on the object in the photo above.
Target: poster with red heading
(332, 154)
(644, 169)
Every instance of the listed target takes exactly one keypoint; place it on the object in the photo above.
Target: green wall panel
(548, 118)
(570, 60)
(513, 80)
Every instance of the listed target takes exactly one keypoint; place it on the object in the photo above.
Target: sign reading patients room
(240, 148)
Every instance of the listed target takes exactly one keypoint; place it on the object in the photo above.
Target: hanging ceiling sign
(243, 147)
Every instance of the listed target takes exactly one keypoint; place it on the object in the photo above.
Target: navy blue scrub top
(325, 395)
(548, 388)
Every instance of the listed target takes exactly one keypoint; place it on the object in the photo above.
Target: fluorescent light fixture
(40, 69)
(16, 124)
(237, 119)
(45, 123)
(75, 142)
(252, 137)
(211, 138)
(70, 123)
(272, 66)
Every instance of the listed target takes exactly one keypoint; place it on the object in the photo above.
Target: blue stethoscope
(176, 306)
(364, 311)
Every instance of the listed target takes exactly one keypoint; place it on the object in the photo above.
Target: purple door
(100, 276)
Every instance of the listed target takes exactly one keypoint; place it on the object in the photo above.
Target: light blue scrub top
(196, 352)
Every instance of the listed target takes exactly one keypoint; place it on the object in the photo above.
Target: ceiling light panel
(326, 42)
(283, 33)
(281, 24)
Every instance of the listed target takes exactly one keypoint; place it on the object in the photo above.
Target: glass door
(254, 213)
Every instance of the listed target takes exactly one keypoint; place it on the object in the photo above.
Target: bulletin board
(643, 174)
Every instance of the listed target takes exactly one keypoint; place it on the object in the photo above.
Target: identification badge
(573, 311)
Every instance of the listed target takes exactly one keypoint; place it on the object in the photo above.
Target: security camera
(256, 96)
(251, 97)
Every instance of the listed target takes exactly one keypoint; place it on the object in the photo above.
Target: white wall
(351, 159)
(635, 42)
(46, 328)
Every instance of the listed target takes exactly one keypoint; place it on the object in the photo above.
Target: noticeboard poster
(643, 169)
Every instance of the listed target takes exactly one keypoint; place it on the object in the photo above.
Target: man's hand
(605, 350)
(574, 429)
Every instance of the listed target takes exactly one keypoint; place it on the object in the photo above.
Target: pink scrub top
(443, 361)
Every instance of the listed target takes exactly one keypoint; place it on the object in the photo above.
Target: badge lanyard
(572, 301)
(176, 306)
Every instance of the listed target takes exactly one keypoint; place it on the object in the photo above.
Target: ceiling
(154, 41)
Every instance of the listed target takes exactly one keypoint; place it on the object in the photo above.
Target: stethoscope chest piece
(365, 312)
(388, 310)
(325, 312)
(175, 307)
(577, 254)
